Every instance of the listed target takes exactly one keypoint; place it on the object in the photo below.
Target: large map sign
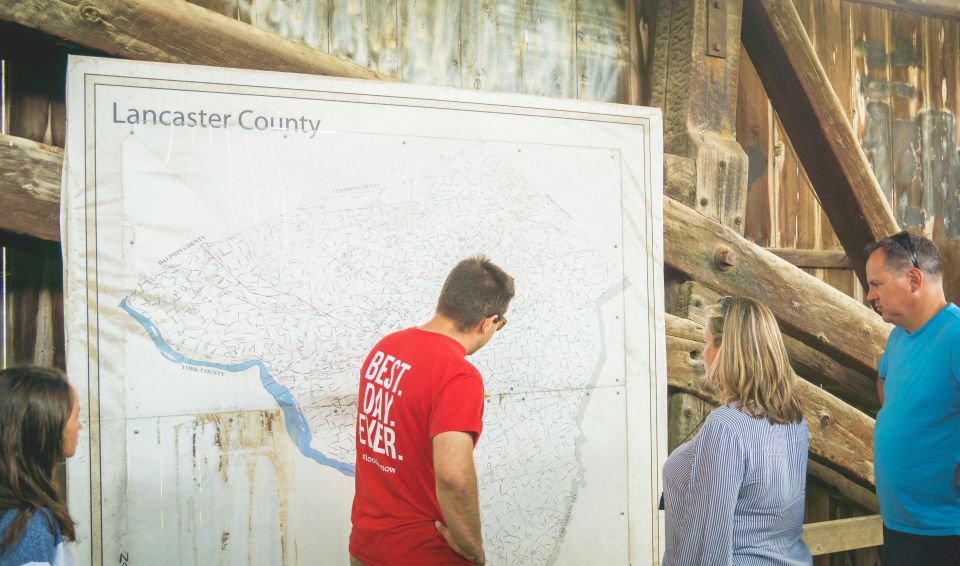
(235, 242)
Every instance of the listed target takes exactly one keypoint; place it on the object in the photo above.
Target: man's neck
(443, 325)
(928, 310)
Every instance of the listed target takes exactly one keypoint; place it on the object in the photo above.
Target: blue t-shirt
(916, 447)
(38, 545)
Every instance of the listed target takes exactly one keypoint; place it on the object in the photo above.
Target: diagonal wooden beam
(840, 435)
(174, 31)
(808, 309)
(692, 300)
(29, 189)
(816, 123)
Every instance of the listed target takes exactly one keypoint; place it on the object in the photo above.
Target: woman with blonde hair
(734, 494)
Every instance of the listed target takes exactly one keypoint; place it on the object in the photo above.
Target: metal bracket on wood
(717, 28)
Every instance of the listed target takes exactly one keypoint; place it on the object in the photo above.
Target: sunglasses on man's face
(500, 321)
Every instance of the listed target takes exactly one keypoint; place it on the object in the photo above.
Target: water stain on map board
(243, 442)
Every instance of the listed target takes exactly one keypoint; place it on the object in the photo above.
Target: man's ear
(916, 279)
(485, 324)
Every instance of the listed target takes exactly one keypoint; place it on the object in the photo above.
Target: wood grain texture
(857, 495)
(174, 31)
(547, 36)
(430, 42)
(950, 256)
(493, 45)
(807, 308)
(840, 436)
(603, 52)
(686, 415)
(29, 189)
(698, 96)
(935, 8)
(816, 122)
(692, 301)
(303, 22)
(843, 534)
(824, 259)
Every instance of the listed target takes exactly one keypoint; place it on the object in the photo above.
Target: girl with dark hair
(38, 428)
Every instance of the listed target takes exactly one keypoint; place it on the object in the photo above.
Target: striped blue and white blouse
(734, 494)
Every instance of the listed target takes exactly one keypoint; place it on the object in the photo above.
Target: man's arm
(457, 494)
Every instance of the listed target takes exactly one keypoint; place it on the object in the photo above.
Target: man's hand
(445, 533)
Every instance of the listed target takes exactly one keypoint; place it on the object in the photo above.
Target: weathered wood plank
(840, 435)
(754, 118)
(493, 45)
(603, 52)
(829, 27)
(933, 8)
(173, 31)
(816, 122)
(29, 189)
(547, 34)
(365, 32)
(685, 367)
(698, 95)
(430, 42)
(809, 309)
(305, 21)
(845, 489)
(823, 259)
(686, 414)
(828, 537)
(818, 507)
(692, 301)
(950, 254)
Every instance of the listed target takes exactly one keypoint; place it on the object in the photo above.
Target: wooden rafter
(809, 309)
(692, 300)
(932, 8)
(174, 31)
(840, 435)
(814, 119)
(29, 189)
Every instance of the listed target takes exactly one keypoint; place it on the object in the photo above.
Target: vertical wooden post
(695, 67)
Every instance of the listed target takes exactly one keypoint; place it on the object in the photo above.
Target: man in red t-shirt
(420, 414)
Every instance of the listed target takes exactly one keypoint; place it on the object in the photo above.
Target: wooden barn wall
(897, 74)
(33, 108)
(593, 50)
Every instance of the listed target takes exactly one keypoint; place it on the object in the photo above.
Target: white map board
(236, 241)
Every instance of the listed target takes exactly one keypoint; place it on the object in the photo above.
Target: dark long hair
(35, 405)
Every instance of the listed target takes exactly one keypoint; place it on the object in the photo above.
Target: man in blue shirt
(917, 433)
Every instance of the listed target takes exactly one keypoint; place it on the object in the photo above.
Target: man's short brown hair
(898, 255)
(474, 290)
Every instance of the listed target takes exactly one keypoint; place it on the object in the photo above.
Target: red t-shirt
(414, 385)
